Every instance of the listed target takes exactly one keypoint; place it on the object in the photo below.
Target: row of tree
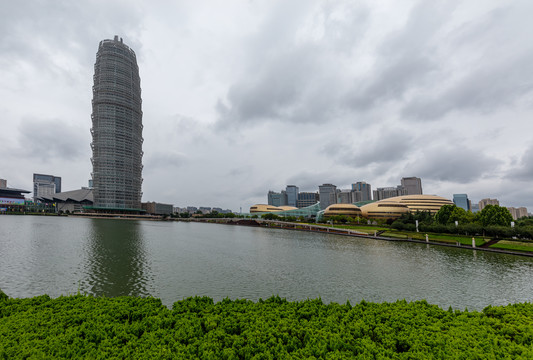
(493, 220)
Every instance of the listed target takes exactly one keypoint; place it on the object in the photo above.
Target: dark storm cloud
(52, 140)
(460, 165)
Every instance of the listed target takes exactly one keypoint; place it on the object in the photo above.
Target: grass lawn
(513, 245)
(445, 238)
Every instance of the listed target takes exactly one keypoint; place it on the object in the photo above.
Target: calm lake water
(173, 260)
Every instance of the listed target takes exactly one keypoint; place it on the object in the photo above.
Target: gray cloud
(405, 59)
(386, 148)
(51, 140)
(164, 160)
(292, 79)
(524, 169)
(497, 66)
(460, 165)
(53, 38)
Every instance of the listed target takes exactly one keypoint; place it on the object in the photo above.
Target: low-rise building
(389, 192)
(517, 213)
(487, 201)
(155, 208)
(70, 201)
(11, 199)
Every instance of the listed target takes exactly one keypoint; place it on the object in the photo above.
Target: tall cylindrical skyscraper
(116, 128)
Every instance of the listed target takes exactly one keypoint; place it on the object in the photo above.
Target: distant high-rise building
(413, 185)
(3, 183)
(461, 200)
(116, 128)
(344, 197)
(45, 185)
(388, 192)
(517, 213)
(364, 188)
(328, 195)
(485, 202)
(277, 198)
(292, 195)
(307, 199)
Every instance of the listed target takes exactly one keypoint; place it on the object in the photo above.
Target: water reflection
(116, 259)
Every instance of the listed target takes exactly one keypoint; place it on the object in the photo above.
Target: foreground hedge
(127, 327)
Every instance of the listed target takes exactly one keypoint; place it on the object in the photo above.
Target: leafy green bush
(127, 327)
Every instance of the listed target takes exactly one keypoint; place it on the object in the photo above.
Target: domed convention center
(287, 208)
(262, 208)
(431, 203)
(343, 209)
(384, 210)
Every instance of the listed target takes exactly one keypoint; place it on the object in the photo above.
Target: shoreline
(343, 232)
(284, 226)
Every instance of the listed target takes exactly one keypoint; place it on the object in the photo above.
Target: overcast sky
(242, 97)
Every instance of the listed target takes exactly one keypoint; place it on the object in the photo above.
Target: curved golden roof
(384, 210)
(264, 208)
(342, 209)
(431, 203)
(286, 208)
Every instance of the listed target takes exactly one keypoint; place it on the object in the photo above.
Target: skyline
(247, 97)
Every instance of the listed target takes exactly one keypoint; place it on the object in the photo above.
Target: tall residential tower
(116, 128)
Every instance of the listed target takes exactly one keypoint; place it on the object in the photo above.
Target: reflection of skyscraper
(116, 128)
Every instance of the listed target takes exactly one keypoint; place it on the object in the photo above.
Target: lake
(174, 260)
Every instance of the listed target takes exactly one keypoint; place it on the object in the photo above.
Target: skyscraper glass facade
(461, 200)
(292, 195)
(116, 128)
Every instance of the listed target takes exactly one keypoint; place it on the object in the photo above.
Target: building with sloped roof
(71, 201)
(11, 199)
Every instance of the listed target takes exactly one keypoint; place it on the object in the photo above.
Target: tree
(458, 214)
(443, 215)
(270, 216)
(494, 215)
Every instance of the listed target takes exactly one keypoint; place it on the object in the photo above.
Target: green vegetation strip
(127, 327)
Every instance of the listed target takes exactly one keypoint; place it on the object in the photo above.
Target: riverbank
(351, 232)
(130, 327)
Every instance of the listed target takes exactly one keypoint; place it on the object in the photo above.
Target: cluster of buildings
(328, 194)
(385, 200)
(462, 201)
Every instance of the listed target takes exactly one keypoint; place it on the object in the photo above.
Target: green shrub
(127, 327)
